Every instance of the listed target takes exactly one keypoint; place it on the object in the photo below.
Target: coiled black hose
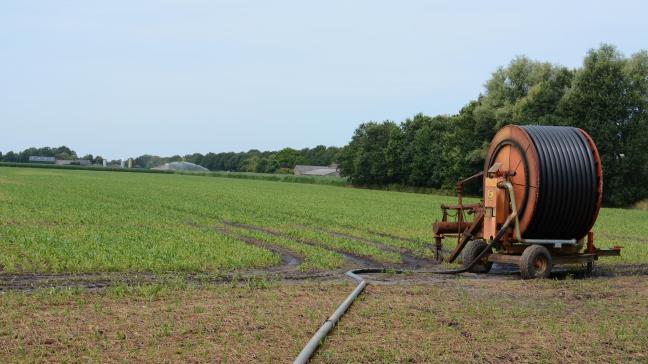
(567, 185)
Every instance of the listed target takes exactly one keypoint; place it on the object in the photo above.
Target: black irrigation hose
(567, 185)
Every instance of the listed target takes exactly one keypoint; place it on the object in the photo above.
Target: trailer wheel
(535, 262)
(470, 252)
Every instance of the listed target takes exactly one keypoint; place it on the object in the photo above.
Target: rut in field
(409, 260)
(97, 281)
(354, 259)
(289, 260)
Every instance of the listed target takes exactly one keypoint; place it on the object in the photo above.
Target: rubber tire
(470, 252)
(528, 269)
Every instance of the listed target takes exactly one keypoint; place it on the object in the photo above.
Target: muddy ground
(417, 268)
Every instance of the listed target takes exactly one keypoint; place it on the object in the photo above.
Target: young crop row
(83, 221)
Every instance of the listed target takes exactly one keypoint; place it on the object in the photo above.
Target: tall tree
(608, 99)
(365, 160)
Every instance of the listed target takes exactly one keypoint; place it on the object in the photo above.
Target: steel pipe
(450, 227)
(314, 343)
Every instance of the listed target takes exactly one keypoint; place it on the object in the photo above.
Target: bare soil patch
(449, 319)
(220, 324)
(494, 321)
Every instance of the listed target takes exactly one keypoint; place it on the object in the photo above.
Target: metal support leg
(437, 248)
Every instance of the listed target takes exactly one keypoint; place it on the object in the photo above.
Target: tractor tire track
(289, 260)
(97, 281)
(23, 282)
(89, 281)
(27, 282)
(382, 234)
(355, 260)
(390, 236)
(409, 260)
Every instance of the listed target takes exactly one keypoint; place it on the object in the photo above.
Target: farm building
(181, 166)
(302, 170)
(41, 159)
(67, 162)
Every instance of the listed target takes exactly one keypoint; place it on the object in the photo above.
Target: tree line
(61, 153)
(282, 161)
(607, 97)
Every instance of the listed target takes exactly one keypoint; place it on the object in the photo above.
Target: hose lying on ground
(312, 345)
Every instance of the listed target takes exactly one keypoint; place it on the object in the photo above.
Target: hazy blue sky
(123, 78)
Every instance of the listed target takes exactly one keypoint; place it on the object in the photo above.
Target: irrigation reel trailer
(542, 194)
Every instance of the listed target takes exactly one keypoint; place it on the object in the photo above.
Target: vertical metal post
(437, 248)
(590, 243)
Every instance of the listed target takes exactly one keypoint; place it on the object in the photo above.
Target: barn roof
(305, 170)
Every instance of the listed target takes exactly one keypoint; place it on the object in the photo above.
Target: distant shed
(68, 162)
(42, 159)
(303, 170)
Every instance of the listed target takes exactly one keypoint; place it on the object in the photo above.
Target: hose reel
(556, 176)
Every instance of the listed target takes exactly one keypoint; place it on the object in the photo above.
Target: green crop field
(84, 221)
(178, 256)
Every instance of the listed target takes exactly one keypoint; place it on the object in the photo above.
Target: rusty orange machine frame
(549, 180)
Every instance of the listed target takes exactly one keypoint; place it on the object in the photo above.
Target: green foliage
(61, 152)
(371, 157)
(285, 177)
(288, 158)
(607, 97)
(10, 157)
(61, 220)
(148, 161)
(267, 161)
(426, 152)
(250, 161)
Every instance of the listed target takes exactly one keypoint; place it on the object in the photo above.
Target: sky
(124, 78)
